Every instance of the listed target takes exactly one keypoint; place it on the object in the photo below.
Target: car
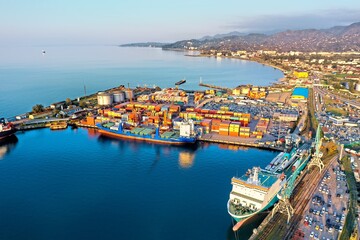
(330, 230)
(306, 218)
(327, 191)
(317, 227)
(340, 228)
(312, 234)
(316, 236)
(334, 214)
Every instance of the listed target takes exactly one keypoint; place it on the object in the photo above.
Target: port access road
(325, 92)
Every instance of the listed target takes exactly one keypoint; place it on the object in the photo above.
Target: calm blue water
(27, 77)
(72, 184)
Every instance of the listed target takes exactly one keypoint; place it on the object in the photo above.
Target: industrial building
(301, 74)
(300, 94)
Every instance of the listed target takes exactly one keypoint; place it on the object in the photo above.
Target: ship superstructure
(254, 192)
(258, 189)
(6, 129)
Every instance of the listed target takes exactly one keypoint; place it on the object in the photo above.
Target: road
(325, 92)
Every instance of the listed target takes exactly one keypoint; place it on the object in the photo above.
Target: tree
(82, 104)
(68, 101)
(38, 108)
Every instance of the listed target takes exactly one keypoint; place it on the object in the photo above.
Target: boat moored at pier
(6, 129)
(186, 134)
(258, 189)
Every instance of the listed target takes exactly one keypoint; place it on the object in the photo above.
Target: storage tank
(119, 96)
(129, 94)
(357, 87)
(104, 98)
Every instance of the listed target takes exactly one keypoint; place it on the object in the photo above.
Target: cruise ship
(258, 189)
(6, 129)
(186, 134)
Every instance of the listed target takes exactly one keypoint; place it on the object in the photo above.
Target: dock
(305, 186)
(247, 142)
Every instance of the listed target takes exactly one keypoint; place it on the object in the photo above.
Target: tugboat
(6, 129)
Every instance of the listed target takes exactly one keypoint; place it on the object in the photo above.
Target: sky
(36, 22)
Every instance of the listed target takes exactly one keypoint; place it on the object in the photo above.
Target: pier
(247, 142)
(213, 86)
(35, 124)
(305, 186)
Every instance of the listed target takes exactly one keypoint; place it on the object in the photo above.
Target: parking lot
(325, 214)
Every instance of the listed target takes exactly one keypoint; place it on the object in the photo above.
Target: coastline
(280, 80)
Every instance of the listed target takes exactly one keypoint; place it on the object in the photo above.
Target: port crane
(316, 157)
(284, 205)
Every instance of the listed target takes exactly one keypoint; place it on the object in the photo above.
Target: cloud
(319, 20)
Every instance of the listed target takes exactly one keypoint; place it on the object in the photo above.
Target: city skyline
(113, 22)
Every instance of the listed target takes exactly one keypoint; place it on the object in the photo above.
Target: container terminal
(275, 118)
(241, 116)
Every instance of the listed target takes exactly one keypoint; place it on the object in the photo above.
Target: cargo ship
(286, 159)
(180, 82)
(186, 135)
(258, 189)
(282, 161)
(253, 193)
(6, 129)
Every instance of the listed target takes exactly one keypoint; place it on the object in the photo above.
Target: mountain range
(336, 39)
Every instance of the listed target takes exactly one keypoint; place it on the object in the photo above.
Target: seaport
(277, 118)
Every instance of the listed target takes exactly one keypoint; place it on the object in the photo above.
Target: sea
(76, 184)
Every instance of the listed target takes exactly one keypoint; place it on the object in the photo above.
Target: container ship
(6, 129)
(186, 135)
(258, 189)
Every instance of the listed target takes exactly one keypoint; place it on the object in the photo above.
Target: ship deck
(266, 179)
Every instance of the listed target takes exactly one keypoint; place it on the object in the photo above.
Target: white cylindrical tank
(357, 87)
(104, 98)
(129, 94)
(119, 96)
